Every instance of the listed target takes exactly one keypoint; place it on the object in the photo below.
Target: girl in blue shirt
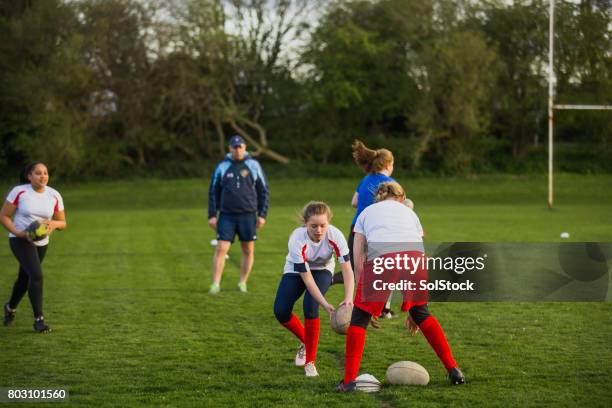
(378, 166)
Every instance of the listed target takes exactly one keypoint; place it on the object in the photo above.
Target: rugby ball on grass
(367, 383)
(407, 373)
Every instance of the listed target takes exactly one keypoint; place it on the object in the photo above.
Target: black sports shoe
(456, 376)
(40, 326)
(350, 387)
(9, 315)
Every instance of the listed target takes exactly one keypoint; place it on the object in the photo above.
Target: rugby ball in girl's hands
(341, 319)
(367, 383)
(37, 231)
(407, 373)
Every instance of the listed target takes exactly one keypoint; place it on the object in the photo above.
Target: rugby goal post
(551, 100)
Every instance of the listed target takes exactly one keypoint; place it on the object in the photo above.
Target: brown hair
(26, 171)
(315, 208)
(371, 161)
(389, 189)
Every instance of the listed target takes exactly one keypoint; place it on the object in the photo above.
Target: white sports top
(389, 221)
(34, 206)
(317, 255)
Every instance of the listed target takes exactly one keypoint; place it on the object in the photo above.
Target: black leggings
(361, 318)
(290, 289)
(30, 278)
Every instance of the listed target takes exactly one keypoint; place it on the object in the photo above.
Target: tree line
(112, 88)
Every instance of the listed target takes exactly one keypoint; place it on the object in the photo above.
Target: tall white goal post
(551, 102)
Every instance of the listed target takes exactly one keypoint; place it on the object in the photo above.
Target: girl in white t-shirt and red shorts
(389, 228)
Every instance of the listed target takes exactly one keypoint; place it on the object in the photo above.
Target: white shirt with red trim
(34, 206)
(389, 221)
(317, 255)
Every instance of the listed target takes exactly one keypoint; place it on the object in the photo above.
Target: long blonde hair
(389, 189)
(371, 161)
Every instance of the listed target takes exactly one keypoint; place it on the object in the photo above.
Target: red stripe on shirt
(304, 252)
(56, 208)
(335, 246)
(16, 200)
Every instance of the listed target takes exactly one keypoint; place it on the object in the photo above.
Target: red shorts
(376, 308)
(373, 289)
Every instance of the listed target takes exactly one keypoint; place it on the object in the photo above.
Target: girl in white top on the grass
(309, 266)
(30, 201)
(390, 221)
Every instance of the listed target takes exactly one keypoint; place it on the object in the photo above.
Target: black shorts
(244, 225)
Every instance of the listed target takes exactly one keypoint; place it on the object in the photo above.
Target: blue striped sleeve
(261, 187)
(214, 191)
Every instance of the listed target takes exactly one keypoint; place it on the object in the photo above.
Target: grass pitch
(125, 293)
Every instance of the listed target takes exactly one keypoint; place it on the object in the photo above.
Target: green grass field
(125, 293)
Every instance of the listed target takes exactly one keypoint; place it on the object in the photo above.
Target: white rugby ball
(407, 373)
(213, 242)
(341, 319)
(367, 383)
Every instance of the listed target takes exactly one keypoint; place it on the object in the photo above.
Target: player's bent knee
(282, 313)
(360, 318)
(419, 313)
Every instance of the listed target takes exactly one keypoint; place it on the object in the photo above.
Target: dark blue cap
(236, 141)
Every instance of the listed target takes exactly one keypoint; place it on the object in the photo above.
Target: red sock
(295, 326)
(355, 340)
(435, 336)
(311, 338)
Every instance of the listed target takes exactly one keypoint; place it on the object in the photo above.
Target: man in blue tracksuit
(239, 194)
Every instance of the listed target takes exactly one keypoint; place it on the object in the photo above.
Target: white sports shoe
(300, 356)
(311, 370)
